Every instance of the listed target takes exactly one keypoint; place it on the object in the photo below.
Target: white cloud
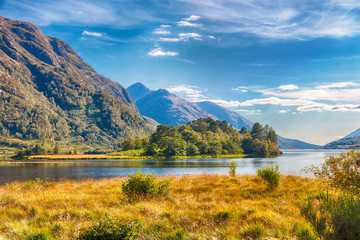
(283, 111)
(188, 24)
(182, 37)
(191, 93)
(160, 31)
(297, 19)
(211, 37)
(240, 88)
(338, 85)
(165, 26)
(93, 34)
(187, 36)
(249, 112)
(158, 52)
(340, 92)
(192, 18)
(288, 87)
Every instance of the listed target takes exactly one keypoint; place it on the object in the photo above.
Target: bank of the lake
(197, 207)
(119, 156)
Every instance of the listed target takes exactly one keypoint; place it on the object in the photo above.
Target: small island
(202, 138)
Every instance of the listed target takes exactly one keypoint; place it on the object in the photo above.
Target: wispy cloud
(183, 37)
(298, 19)
(158, 52)
(160, 31)
(188, 24)
(191, 93)
(93, 34)
(192, 18)
(340, 92)
(288, 87)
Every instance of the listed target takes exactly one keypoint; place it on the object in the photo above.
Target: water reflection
(291, 162)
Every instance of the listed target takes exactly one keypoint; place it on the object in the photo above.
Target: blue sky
(291, 64)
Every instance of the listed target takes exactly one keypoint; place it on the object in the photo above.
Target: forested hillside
(48, 92)
(207, 137)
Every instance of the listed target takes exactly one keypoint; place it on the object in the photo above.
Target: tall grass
(196, 207)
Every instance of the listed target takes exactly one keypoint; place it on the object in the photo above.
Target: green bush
(141, 185)
(232, 167)
(38, 236)
(110, 229)
(334, 217)
(270, 174)
(254, 231)
(340, 170)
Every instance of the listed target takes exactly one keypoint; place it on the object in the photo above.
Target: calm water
(291, 162)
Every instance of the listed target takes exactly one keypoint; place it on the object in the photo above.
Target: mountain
(138, 91)
(233, 118)
(288, 143)
(351, 140)
(169, 109)
(48, 92)
(355, 133)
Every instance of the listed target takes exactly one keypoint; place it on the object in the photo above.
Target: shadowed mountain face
(167, 108)
(355, 133)
(233, 118)
(351, 140)
(138, 91)
(48, 92)
(288, 143)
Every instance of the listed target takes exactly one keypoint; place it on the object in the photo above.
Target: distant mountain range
(47, 92)
(349, 141)
(169, 109)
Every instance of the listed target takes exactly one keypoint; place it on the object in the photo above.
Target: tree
(243, 131)
(128, 144)
(272, 136)
(257, 131)
(192, 150)
(57, 148)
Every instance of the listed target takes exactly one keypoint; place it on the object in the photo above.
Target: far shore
(109, 156)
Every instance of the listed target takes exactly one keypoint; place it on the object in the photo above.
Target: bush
(334, 217)
(254, 231)
(232, 167)
(141, 185)
(110, 229)
(270, 174)
(341, 171)
(38, 236)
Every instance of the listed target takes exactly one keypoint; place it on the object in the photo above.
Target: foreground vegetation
(196, 207)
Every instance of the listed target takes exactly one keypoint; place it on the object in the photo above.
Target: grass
(197, 207)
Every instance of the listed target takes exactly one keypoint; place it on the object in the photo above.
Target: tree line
(206, 136)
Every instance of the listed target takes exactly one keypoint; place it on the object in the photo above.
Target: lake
(291, 162)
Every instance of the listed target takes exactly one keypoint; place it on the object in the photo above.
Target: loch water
(290, 162)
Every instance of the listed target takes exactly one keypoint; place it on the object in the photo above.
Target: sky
(291, 64)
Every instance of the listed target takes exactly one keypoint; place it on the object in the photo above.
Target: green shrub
(110, 229)
(254, 231)
(232, 167)
(141, 185)
(334, 217)
(304, 231)
(38, 236)
(340, 170)
(270, 174)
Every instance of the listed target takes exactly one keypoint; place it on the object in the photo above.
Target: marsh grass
(197, 207)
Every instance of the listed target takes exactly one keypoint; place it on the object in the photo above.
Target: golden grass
(199, 207)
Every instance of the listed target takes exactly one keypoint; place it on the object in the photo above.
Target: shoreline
(105, 156)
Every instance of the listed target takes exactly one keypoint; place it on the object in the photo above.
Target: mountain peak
(355, 133)
(138, 91)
